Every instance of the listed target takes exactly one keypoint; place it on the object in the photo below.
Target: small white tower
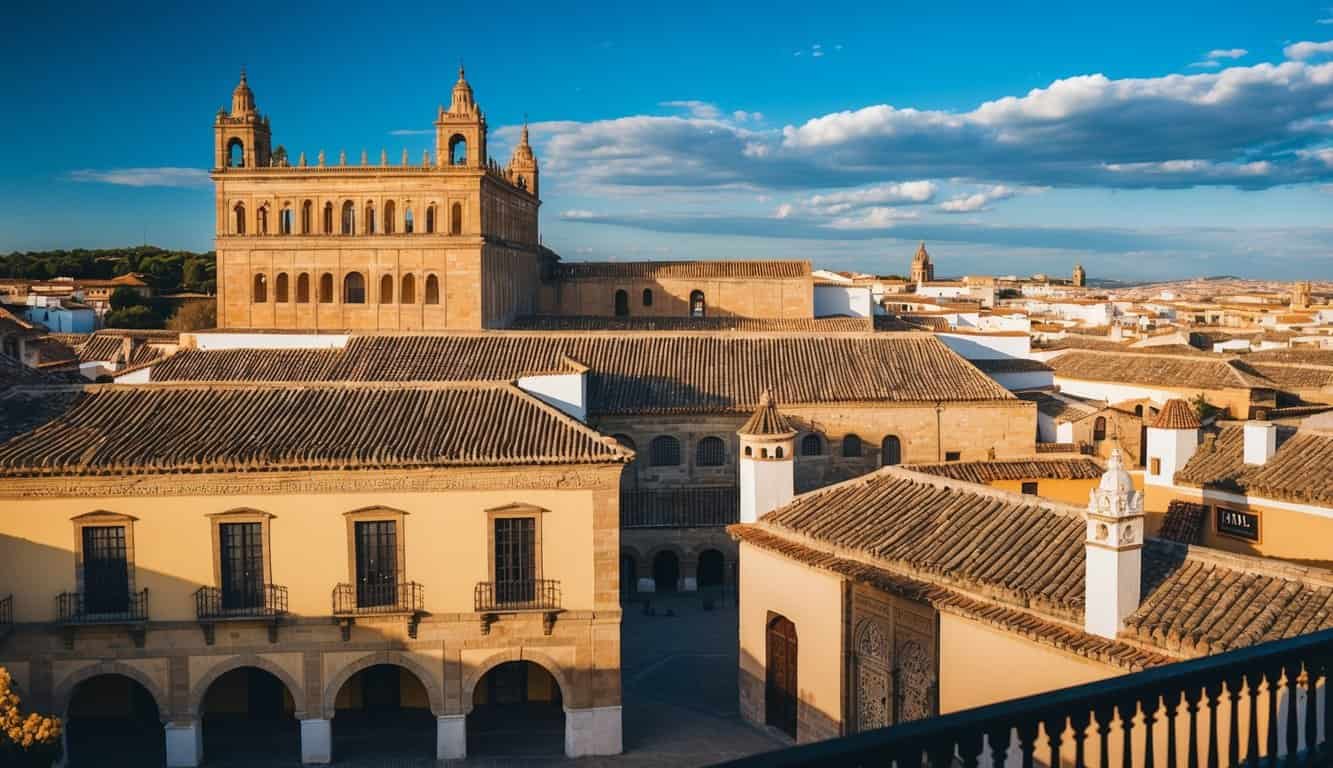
(767, 461)
(1173, 438)
(1114, 546)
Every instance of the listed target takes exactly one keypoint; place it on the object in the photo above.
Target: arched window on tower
(622, 303)
(235, 154)
(386, 289)
(349, 218)
(647, 297)
(303, 288)
(261, 220)
(432, 289)
(326, 288)
(408, 223)
(328, 218)
(697, 306)
(456, 219)
(238, 219)
(811, 445)
(307, 213)
(457, 150)
(280, 288)
(851, 447)
(430, 219)
(409, 293)
(354, 288)
(260, 294)
(389, 210)
(370, 218)
(1099, 429)
(711, 452)
(285, 220)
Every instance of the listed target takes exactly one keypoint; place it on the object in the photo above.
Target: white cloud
(1226, 53)
(783, 211)
(411, 132)
(578, 213)
(1329, 20)
(817, 54)
(1307, 50)
(904, 193)
(1206, 64)
(144, 177)
(978, 200)
(700, 109)
(873, 218)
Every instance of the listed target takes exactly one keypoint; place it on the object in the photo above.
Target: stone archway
(112, 707)
(248, 707)
(66, 689)
(200, 688)
(517, 707)
(391, 658)
(472, 677)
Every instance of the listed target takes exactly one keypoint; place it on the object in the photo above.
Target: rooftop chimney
(1260, 441)
(767, 468)
(1114, 551)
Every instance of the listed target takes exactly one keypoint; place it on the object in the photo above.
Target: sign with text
(1242, 525)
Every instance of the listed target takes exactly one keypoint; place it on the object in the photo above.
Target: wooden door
(780, 686)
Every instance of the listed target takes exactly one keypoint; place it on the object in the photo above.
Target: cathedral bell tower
(1114, 551)
(523, 165)
(241, 136)
(460, 131)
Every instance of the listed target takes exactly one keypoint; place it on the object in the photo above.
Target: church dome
(523, 156)
(462, 102)
(1116, 479)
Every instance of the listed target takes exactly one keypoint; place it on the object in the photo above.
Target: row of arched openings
(353, 289)
(665, 450)
(710, 572)
(249, 714)
(697, 303)
(346, 219)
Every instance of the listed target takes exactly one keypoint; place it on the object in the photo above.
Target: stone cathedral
(445, 241)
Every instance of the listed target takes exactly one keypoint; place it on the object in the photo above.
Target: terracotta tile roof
(700, 324)
(958, 602)
(1058, 448)
(263, 428)
(1062, 407)
(11, 322)
(1300, 471)
(633, 373)
(1176, 414)
(1295, 376)
(1011, 365)
(1158, 370)
(1298, 355)
(100, 349)
(1183, 522)
(767, 420)
(1028, 555)
(29, 408)
(895, 323)
(1039, 467)
(595, 270)
(1106, 345)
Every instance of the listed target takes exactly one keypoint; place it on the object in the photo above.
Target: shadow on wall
(812, 722)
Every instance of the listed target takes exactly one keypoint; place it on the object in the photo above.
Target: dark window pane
(106, 572)
(515, 559)
(242, 565)
(376, 563)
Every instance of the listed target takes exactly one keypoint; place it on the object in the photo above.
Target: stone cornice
(561, 477)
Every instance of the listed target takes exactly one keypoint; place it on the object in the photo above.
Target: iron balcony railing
(1254, 706)
(701, 507)
(268, 600)
(524, 595)
(366, 599)
(95, 607)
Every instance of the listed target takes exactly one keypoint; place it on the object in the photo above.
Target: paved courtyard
(680, 707)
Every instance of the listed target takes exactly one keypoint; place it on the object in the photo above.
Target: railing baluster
(970, 747)
(1252, 680)
(1172, 701)
(1055, 734)
(1150, 706)
(1326, 663)
(1214, 693)
(1079, 722)
(940, 754)
(1027, 739)
(1105, 714)
(1127, 709)
(1233, 733)
(998, 741)
(1192, 696)
(1293, 671)
(1311, 713)
(1271, 677)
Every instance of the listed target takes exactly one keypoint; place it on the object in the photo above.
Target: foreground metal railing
(369, 599)
(1261, 705)
(95, 608)
(523, 595)
(268, 600)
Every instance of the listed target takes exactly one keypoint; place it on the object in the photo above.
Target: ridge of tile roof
(767, 420)
(116, 430)
(1159, 370)
(632, 373)
(1029, 555)
(711, 324)
(1043, 467)
(735, 268)
(1301, 470)
(1176, 414)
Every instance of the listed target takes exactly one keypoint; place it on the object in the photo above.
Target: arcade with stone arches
(679, 561)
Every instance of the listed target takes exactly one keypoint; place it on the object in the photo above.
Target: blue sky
(1142, 139)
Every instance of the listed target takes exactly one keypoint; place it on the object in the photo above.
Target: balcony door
(242, 569)
(106, 570)
(515, 559)
(376, 563)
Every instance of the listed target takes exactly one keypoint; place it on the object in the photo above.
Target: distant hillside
(168, 271)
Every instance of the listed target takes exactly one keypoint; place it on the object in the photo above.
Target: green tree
(125, 297)
(194, 315)
(137, 317)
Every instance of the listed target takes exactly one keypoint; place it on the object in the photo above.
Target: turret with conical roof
(460, 131)
(767, 460)
(1173, 439)
(523, 164)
